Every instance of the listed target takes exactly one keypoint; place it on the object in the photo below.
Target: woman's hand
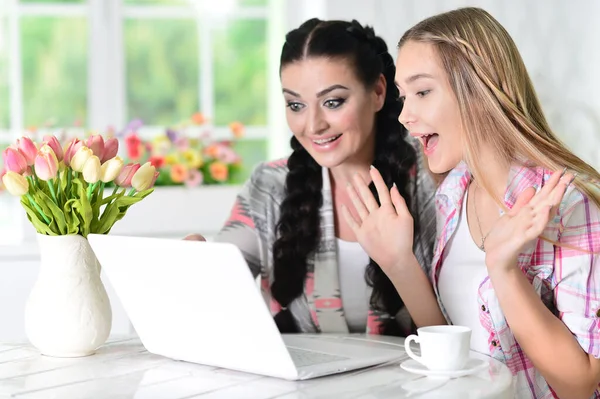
(523, 224)
(194, 237)
(385, 232)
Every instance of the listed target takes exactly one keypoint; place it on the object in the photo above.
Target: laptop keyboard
(303, 358)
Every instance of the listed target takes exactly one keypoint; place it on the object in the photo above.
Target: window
(96, 64)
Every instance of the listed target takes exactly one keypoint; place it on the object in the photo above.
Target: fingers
(365, 194)
(194, 237)
(523, 199)
(558, 192)
(360, 207)
(546, 193)
(382, 190)
(354, 225)
(399, 202)
(549, 196)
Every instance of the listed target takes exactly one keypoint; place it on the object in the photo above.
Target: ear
(379, 92)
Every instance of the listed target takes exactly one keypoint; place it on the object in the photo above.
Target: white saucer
(473, 366)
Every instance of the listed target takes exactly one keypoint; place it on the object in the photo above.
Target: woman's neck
(343, 174)
(496, 172)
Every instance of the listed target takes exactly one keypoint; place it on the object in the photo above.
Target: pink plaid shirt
(568, 281)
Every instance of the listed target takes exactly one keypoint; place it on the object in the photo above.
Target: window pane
(252, 2)
(54, 54)
(4, 95)
(159, 2)
(241, 73)
(53, 1)
(162, 70)
(252, 152)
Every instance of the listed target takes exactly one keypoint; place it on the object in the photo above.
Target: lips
(428, 140)
(326, 140)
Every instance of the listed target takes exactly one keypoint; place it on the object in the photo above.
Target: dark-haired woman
(342, 107)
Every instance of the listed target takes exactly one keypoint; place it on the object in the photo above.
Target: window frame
(106, 85)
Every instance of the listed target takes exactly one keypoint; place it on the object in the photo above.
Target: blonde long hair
(496, 98)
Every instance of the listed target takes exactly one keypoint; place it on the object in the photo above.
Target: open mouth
(429, 140)
(327, 140)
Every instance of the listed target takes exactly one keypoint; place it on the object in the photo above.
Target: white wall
(559, 41)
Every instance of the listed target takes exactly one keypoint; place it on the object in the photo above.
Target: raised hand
(524, 222)
(385, 232)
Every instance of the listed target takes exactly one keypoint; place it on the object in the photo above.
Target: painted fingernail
(394, 185)
(563, 172)
(572, 180)
(372, 167)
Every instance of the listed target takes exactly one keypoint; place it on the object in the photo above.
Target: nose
(316, 123)
(407, 116)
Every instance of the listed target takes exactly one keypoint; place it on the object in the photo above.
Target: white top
(460, 277)
(356, 294)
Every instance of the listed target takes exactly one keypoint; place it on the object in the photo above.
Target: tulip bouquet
(62, 189)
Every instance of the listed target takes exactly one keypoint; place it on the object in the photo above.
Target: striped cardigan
(252, 227)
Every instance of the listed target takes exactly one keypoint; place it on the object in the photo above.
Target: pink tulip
(53, 142)
(111, 148)
(124, 178)
(14, 160)
(28, 149)
(96, 144)
(72, 148)
(46, 163)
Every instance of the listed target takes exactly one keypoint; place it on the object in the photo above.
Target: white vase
(68, 312)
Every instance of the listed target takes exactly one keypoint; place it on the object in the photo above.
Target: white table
(124, 369)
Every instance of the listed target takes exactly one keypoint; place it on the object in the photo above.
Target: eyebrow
(319, 94)
(417, 76)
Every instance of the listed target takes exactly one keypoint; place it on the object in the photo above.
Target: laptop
(198, 302)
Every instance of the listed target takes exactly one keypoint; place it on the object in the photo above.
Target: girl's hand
(385, 232)
(523, 224)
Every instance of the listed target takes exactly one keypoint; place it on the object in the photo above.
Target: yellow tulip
(91, 169)
(111, 169)
(144, 178)
(80, 158)
(15, 183)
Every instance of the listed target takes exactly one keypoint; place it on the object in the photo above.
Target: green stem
(37, 208)
(90, 190)
(34, 182)
(132, 192)
(53, 192)
(115, 190)
(30, 180)
(58, 188)
(68, 187)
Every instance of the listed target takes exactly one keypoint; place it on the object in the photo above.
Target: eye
(401, 99)
(334, 103)
(295, 106)
(423, 93)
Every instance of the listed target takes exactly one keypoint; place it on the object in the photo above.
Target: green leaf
(39, 225)
(71, 217)
(84, 208)
(117, 209)
(109, 217)
(38, 196)
(57, 213)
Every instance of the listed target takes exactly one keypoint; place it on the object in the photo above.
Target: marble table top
(123, 368)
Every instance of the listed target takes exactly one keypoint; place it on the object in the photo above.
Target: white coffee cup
(443, 348)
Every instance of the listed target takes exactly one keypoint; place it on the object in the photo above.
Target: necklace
(483, 237)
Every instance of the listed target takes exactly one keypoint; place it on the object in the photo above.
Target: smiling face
(430, 112)
(329, 111)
